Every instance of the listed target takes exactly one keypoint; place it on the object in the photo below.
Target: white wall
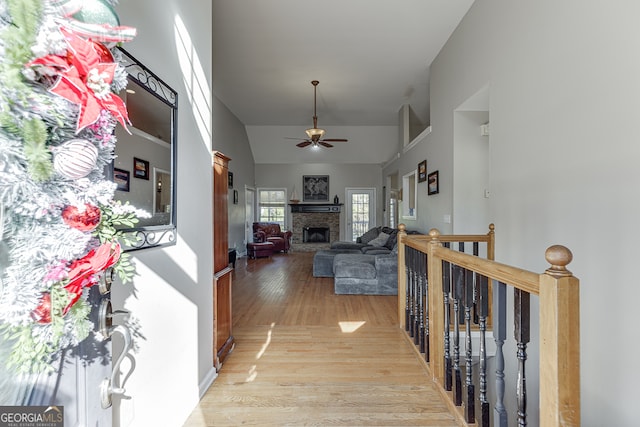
(471, 173)
(171, 298)
(564, 154)
(230, 137)
(340, 177)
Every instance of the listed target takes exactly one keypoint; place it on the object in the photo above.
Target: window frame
(259, 205)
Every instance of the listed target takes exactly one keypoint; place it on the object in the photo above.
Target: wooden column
(559, 341)
(222, 316)
(436, 309)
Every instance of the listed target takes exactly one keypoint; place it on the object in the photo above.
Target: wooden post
(402, 276)
(559, 341)
(436, 309)
(491, 244)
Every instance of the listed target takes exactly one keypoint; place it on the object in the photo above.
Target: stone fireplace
(314, 226)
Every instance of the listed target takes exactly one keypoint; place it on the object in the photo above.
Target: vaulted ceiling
(370, 56)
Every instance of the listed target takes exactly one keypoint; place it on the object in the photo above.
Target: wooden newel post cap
(559, 257)
(402, 228)
(434, 233)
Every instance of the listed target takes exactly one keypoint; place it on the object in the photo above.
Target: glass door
(360, 211)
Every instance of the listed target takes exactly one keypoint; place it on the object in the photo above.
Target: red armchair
(270, 232)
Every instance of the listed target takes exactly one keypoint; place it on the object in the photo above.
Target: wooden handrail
(559, 314)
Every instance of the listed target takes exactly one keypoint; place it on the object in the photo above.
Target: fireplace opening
(315, 235)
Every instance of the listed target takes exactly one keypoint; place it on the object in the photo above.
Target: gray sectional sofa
(368, 266)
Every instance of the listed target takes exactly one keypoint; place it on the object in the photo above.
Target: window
(393, 209)
(272, 205)
(409, 196)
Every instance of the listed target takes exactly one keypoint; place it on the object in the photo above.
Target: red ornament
(42, 313)
(86, 220)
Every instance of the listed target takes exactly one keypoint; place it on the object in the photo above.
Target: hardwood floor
(305, 356)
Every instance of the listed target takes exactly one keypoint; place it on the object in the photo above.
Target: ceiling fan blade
(303, 144)
(335, 139)
(325, 144)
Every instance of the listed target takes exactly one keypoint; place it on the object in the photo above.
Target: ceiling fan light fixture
(315, 133)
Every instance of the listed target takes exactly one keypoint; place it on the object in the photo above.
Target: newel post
(559, 341)
(402, 276)
(436, 308)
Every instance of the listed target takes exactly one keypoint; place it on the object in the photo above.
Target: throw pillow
(369, 235)
(380, 240)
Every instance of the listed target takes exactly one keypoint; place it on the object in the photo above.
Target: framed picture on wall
(422, 171)
(140, 168)
(230, 179)
(235, 197)
(315, 188)
(121, 177)
(433, 186)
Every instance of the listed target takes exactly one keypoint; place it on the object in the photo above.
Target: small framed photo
(422, 171)
(121, 177)
(433, 183)
(235, 197)
(315, 188)
(140, 168)
(230, 179)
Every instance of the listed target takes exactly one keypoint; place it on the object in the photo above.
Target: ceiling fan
(314, 134)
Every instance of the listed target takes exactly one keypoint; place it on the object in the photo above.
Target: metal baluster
(499, 336)
(407, 304)
(415, 296)
(446, 287)
(419, 327)
(458, 278)
(469, 300)
(476, 252)
(483, 308)
(411, 291)
(522, 336)
(425, 334)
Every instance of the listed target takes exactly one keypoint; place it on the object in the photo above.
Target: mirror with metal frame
(145, 164)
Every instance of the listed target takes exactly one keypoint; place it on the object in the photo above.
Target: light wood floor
(307, 357)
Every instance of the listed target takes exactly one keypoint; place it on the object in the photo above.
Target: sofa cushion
(392, 240)
(374, 250)
(380, 240)
(344, 245)
(358, 270)
(323, 261)
(369, 235)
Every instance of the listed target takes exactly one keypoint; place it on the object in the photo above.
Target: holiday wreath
(58, 217)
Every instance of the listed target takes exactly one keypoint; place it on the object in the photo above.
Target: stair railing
(441, 290)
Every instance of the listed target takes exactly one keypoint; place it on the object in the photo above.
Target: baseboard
(207, 381)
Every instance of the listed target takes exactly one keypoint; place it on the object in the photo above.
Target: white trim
(418, 139)
(149, 137)
(391, 160)
(207, 381)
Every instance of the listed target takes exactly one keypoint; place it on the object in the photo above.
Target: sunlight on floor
(253, 371)
(349, 327)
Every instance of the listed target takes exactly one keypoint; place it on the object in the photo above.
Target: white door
(249, 214)
(360, 211)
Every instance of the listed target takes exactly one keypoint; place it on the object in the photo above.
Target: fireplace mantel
(316, 207)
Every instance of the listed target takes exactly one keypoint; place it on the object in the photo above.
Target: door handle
(106, 280)
(110, 386)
